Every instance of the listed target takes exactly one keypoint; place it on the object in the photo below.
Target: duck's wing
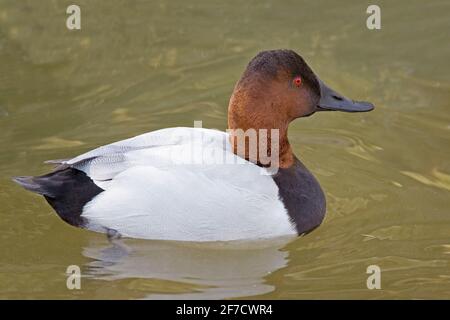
(173, 184)
(159, 148)
(191, 203)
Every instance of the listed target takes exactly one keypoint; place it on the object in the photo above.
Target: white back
(173, 184)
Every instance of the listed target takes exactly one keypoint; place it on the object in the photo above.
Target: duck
(204, 185)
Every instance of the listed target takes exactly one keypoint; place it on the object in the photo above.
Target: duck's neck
(277, 149)
(287, 157)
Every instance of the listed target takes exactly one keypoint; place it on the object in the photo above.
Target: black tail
(66, 190)
(35, 184)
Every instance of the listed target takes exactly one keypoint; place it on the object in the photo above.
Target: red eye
(297, 81)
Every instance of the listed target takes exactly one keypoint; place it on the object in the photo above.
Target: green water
(137, 66)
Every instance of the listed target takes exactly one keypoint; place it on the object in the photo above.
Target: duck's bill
(330, 100)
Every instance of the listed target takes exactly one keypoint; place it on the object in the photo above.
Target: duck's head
(278, 87)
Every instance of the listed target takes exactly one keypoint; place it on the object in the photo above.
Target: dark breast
(302, 196)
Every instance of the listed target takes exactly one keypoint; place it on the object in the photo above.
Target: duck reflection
(194, 270)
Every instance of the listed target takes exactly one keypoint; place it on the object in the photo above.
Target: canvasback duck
(195, 184)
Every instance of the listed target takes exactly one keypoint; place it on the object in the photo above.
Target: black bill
(330, 100)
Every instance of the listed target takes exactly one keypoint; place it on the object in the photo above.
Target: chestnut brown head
(277, 87)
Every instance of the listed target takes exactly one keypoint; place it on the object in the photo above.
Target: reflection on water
(198, 271)
(138, 66)
(438, 179)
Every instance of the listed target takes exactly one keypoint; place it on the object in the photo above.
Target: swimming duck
(159, 186)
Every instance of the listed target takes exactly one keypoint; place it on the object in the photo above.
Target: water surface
(138, 66)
